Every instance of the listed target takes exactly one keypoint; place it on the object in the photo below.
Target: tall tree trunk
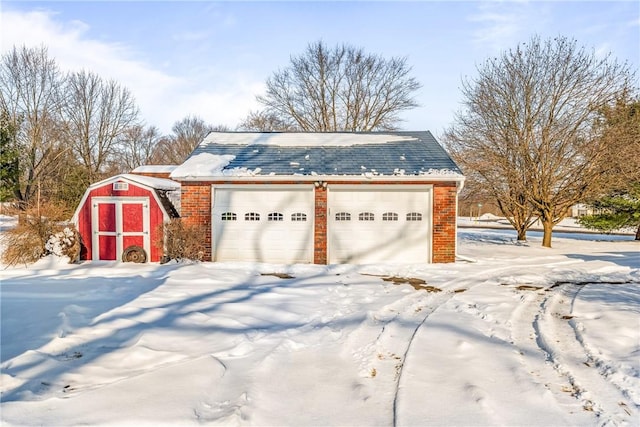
(547, 226)
(638, 233)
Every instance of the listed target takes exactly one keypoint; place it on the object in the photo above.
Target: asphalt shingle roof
(405, 153)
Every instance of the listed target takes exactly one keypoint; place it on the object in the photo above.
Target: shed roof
(227, 154)
(167, 191)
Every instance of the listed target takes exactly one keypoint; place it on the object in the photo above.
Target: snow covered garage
(119, 218)
(323, 197)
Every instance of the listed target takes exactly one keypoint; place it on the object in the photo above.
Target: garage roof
(311, 154)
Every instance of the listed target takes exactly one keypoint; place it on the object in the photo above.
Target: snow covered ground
(567, 225)
(522, 336)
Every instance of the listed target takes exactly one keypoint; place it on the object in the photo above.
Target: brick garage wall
(444, 223)
(196, 209)
(320, 227)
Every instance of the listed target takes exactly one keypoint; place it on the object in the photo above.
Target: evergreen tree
(9, 159)
(615, 211)
(619, 205)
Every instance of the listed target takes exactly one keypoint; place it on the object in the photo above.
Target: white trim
(305, 186)
(381, 187)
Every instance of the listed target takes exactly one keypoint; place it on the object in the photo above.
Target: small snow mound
(490, 216)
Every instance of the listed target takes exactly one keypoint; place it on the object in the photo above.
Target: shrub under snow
(63, 243)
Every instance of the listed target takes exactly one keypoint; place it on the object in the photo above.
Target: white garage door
(379, 224)
(264, 224)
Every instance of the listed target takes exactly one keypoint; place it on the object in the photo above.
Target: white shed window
(389, 216)
(120, 186)
(366, 216)
(414, 216)
(343, 216)
(275, 216)
(229, 216)
(298, 216)
(252, 216)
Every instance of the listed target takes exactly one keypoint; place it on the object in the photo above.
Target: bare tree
(490, 171)
(186, 135)
(343, 89)
(527, 127)
(136, 147)
(97, 114)
(263, 121)
(29, 98)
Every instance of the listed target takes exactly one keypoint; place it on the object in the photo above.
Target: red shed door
(118, 223)
(106, 231)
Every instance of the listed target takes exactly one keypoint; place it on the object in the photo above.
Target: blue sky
(212, 58)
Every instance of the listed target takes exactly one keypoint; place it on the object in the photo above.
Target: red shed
(118, 218)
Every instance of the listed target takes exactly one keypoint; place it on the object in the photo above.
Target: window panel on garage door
(384, 226)
(271, 225)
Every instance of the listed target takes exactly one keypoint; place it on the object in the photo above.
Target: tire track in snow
(535, 359)
(387, 337)
(427, 313)
(601, 363)
(557, 338)
(488, 274)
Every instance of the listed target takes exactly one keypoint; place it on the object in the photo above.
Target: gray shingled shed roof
(340, 153)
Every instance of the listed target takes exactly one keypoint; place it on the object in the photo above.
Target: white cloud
(162, 98)
(217, 107)
(501, 24)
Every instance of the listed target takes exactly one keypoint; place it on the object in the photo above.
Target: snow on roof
(303, 139)
(157, 183)
(204, 164)
(155, 168)
(308, 155)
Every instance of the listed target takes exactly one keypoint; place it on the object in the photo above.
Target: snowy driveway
(523, 336)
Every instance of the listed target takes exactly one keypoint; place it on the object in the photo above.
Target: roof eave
(328, 178)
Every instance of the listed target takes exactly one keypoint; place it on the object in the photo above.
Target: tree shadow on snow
(128, 329)
(623, 258)
(32, 315)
